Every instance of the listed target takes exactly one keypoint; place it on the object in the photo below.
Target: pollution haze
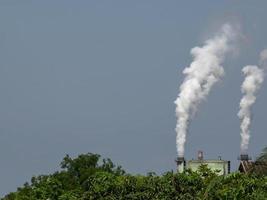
(102, 76)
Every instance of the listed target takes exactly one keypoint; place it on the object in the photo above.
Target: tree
(86, 177)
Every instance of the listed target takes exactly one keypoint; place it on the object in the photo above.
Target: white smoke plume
(254, 77)
(200, 76)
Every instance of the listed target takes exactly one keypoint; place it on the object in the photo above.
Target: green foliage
(89, 178)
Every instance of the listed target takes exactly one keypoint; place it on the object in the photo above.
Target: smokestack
(200, 155)
(244, 157)
(181, 164)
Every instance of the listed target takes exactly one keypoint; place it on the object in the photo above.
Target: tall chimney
(244, 157)
(200, 155)
(180, 164)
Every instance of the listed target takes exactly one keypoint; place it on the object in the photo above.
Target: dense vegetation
(88, 178)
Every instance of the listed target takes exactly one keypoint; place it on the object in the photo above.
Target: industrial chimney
(200, 155)
(180, 164)
(244, 157)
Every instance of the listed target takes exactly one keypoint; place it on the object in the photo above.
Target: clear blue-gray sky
(101, 76)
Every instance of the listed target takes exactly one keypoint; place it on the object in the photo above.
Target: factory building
(222, 167)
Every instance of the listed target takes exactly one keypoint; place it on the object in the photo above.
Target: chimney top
(244, 157)
(200, 155)
(180, 160)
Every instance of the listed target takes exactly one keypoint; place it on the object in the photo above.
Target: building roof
(208, 161)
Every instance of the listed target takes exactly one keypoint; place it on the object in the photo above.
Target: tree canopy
(88, 177)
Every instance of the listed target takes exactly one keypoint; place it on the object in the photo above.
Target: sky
(101, 76)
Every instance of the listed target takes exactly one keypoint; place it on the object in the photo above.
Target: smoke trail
(254, 77)
(200, 76)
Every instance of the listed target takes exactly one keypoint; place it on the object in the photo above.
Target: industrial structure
(248, 166)
(221, 167)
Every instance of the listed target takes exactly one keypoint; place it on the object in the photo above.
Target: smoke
(200, 76)
(254, 77)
